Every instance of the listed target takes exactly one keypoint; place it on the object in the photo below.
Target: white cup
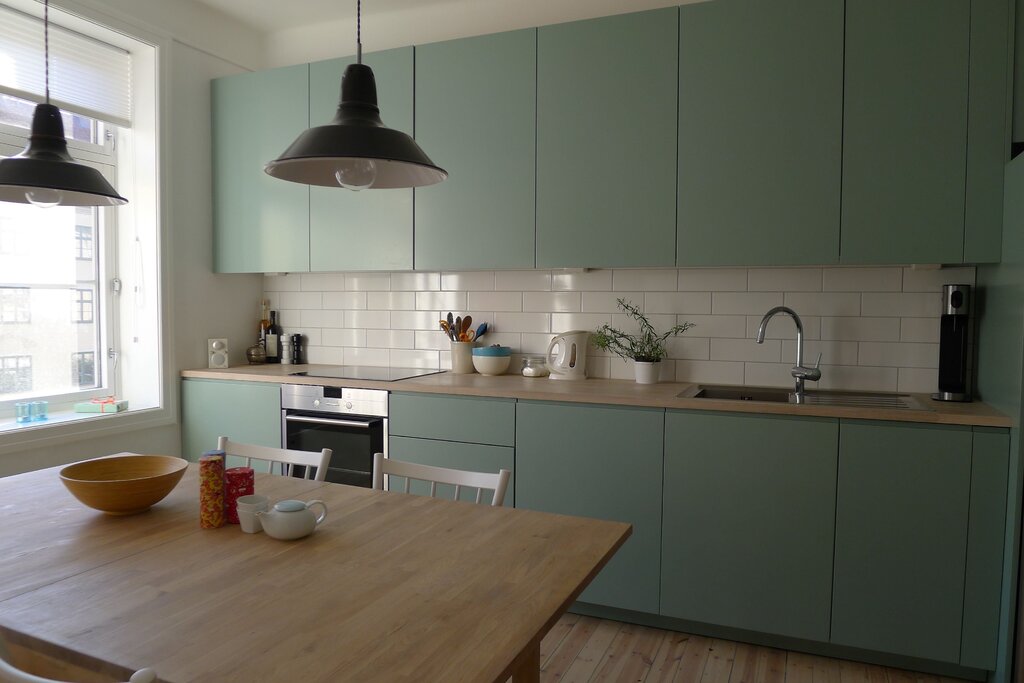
(462, 357)
(247, 507)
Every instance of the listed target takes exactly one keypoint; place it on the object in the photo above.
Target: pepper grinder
(953, 339)
(296, 345)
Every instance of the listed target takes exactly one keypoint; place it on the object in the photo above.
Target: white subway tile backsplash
(416, 282)
(920, 305)
(344, 300)
(712, 280)
(709, 371)
(391, 301)
(876, 327)
(522, 280)
(863, 279)
(629, 324)
(784, 280)
(368, 281)
(824, 303)
(553, 302)
(645, 279)
(368, 319)
(495, 301)
(746, 350)
(744, 303)
(586, 281)
(919, 330)
(932, 279)
(441, 301)
(302, 300)
(479, 280)
(677, 302)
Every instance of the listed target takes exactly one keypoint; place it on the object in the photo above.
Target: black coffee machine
(954, 328)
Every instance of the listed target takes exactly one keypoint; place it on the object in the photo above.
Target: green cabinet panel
(603, 462)
(988, 133)
(370, 229)
(476, 117)
(760, 132)
(261, 224)
(990, 463)
(606, 141)
(749, 521)
(471, 419)
(905, 131)
(454, 455)
(901, 538)
(249, 412)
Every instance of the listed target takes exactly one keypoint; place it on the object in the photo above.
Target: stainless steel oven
(353, 423)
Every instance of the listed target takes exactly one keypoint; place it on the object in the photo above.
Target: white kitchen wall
(876, 328)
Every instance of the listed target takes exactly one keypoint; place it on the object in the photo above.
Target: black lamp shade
(46, 165)
(356, 134)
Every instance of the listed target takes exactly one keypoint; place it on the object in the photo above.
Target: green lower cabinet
(901, 538)
(749, 520)
(454, 455)
(249, 412)
(603, 462)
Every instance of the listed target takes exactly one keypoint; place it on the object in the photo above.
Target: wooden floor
(587, 649)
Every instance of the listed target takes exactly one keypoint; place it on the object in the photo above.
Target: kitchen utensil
(458, 325)
(451, 320)
(291, 519)
(571, 362)
(492, 360)
(446, 328)
(124, 484)
(481, 331)
(466, 323)
(467, 336)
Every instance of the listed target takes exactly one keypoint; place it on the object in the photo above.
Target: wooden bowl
(123, 484)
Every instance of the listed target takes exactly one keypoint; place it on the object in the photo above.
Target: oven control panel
(337, 400)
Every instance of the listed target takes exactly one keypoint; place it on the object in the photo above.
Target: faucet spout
(799, 372)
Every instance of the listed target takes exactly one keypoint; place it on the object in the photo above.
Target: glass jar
(535, 366)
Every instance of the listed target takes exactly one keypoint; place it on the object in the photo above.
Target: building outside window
(15, 305)
(81, 306)
(83, 369)
(15, 374)
(83, 242)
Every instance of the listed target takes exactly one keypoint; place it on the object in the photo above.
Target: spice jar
(535, 366)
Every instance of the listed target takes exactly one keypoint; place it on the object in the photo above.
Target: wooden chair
(11, 674)
(481, 481)
(283, 456)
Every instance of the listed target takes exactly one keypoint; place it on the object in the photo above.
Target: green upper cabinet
(901, 538)
(603, 462)
(760, 132)
(261, 223)
(476, 118)
(370, 229)
(606, 141)
(749, 521)
(905, 131)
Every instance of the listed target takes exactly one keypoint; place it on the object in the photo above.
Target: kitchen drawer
(469, 419)
(458, 456)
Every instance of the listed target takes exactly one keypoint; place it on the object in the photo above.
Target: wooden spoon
(466, 323)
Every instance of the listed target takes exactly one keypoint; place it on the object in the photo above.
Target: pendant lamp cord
(359, 31)
(46, 44)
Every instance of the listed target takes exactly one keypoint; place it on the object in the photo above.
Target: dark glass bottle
(273, 340)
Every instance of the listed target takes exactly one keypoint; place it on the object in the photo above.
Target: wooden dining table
(390, 587)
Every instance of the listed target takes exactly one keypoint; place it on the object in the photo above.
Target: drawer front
(470, 419)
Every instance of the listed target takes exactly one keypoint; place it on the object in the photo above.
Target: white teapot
(291, 519)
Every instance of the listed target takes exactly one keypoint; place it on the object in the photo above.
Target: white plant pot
(647, 373)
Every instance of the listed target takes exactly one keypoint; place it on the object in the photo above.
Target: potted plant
(646, 347)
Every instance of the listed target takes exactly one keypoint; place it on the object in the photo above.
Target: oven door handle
(328, 421)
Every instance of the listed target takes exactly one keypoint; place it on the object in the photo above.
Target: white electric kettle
(571, 360)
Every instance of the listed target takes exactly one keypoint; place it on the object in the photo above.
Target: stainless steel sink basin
(853, 399)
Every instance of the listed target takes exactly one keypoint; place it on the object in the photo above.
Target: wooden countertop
(391, 587)
(615, 392)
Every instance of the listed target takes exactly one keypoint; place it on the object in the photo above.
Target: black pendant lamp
(44, 174)
(356, 150)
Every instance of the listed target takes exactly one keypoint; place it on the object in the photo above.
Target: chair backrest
(11, 674)
(287, 458)
(481, 481)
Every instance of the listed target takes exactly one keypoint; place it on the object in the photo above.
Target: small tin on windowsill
(102, 405)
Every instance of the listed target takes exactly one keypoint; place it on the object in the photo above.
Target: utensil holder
(462, 358)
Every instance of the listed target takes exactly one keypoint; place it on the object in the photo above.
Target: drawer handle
(327, 421)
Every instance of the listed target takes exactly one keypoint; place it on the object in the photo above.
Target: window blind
(87, 76)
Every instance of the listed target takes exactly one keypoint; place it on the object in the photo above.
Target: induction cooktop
(366, 372)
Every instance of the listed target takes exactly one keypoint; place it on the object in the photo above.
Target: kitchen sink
(853, 399)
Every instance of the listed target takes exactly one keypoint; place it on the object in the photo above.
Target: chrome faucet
(799, 372)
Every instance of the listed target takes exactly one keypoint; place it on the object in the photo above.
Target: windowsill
(68, 426)
(59, 417)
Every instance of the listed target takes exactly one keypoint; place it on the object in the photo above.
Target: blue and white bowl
(492, 360)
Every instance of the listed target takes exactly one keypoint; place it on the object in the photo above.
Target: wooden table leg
(527, 666)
